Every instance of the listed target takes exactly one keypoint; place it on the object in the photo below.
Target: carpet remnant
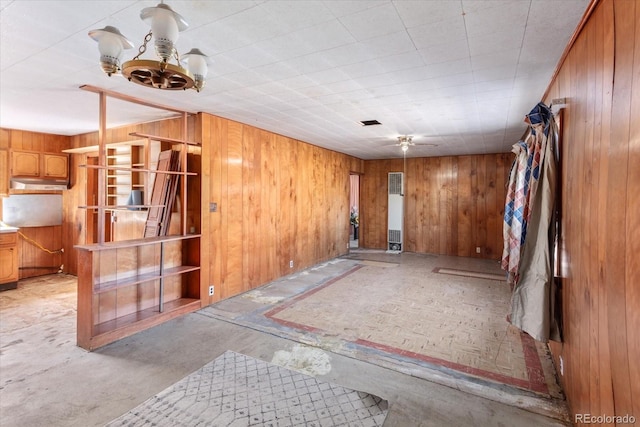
(238, 390)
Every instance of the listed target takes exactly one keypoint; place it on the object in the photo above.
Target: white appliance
(396, 212)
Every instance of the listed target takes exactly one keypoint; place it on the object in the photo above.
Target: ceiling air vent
(369, 122)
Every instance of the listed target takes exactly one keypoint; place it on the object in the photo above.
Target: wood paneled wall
(34, 261)
(75, 219)
(600, 239)
(452, 204)
(277, 200)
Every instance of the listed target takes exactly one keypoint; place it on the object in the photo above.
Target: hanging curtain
(529, 227)
(355, 193)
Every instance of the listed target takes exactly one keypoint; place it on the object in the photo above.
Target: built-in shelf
(95, 148)
(127, 286)
(128, 169)
(118, 207)
(120, 327)
(123, 286)
(141, 278)
(135, 242)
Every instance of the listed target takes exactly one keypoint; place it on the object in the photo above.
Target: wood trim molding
(585, 18)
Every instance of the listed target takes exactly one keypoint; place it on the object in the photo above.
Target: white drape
(355, 193)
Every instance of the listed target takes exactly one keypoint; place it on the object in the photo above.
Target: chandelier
(156, 73)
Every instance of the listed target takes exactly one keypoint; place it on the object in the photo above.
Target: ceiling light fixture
(159, 73)
(404, 142)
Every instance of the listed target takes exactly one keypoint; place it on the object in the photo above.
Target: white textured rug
(237, 390)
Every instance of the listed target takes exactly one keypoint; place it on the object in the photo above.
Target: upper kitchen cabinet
(55, 166)
(33, 164)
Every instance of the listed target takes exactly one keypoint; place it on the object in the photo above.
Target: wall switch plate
(477, 249)
(213, 207)
(211, 290)
(291, 264)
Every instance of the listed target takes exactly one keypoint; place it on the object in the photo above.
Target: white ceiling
(458, 74)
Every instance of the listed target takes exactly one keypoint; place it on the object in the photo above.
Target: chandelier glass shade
(158, 73)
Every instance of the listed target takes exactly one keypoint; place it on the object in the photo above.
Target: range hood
(39, 184)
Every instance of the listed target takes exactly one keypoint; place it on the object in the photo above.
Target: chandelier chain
(142, 49)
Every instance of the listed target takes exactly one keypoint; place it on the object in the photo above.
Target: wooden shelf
(163, 139)
(124, 326)
(133, 243)
(94, 148)
(117, 168)
(119, 207)
(110, 285)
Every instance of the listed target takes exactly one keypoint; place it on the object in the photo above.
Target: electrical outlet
(291, 264)
(211, 290)
(477, 249)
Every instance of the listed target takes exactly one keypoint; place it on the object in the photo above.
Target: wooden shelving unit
(126, 286)
(119, 180)
(130, 285)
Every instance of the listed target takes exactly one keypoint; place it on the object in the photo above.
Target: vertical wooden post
(84, 325)
(147, 175)
(102, 161)
(183, 167)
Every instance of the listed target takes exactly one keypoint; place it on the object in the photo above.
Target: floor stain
(308, 360)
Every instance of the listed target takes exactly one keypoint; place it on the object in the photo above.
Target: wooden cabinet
(55, 166)
(8, 260)
(4, 172)
(25, 163)
(33, 164)
(125, 287)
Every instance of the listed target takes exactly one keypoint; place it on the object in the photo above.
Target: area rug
(237, 390)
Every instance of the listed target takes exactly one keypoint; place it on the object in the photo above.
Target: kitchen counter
(6, 228)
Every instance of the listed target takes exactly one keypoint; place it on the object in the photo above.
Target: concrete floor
(46, 380)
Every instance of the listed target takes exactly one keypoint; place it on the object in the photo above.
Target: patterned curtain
(529, 227)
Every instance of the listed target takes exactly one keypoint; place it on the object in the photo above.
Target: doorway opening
(354, 211)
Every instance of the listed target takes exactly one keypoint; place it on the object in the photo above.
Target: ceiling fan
(406, 141)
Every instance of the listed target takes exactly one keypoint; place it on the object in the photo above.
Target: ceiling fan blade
(426, 144)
